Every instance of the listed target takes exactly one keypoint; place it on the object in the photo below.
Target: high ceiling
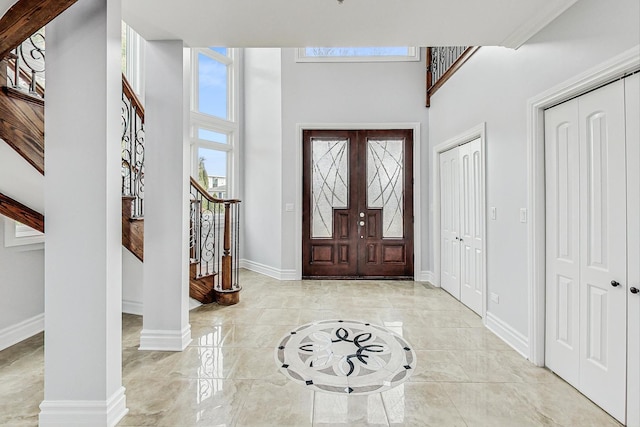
(297, 23)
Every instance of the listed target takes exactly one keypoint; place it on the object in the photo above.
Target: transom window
(358, 54)
(214, 119)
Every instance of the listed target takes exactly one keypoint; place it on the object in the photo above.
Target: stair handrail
(215, 253)
(442, 63)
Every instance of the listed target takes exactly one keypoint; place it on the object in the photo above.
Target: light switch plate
(494, 213)
(288, 207)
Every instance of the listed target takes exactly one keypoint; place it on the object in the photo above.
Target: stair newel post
(227, 258)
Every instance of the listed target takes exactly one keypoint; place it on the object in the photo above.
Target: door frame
(475, 132)
(606, 72)
(417, 214)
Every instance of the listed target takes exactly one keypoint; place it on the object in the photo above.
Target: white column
(83, 259)
(166, 222)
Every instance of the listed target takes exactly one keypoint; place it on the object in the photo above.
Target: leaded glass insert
(385, 178)
(330, 183)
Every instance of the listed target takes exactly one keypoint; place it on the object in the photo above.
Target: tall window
(132, 59)
(214, 119)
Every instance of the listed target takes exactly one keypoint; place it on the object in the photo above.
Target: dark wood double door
(357, 204)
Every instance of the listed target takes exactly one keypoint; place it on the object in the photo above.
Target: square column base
(89, 413)
(165, 340)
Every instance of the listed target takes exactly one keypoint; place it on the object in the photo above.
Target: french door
(357, 203)
(461, 220)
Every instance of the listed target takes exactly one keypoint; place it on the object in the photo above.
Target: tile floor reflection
(465, 375)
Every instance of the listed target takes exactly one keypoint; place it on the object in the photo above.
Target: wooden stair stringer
(201, 288)
(22, 123)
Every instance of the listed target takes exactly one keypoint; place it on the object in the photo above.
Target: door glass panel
(385, 178)
(330, 183)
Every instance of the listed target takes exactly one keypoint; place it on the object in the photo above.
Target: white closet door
(471, 217)
(562, 345)
(450, 222)
(632, 101)
(603, 248)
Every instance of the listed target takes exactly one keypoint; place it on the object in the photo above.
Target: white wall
(21, 291)
(494, 87)
(341, 93)
(19, 180)
(262, 208)
(132, 283)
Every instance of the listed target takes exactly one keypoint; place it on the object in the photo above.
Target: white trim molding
(267, 270)
(515, 339)
(608, 71)
(132, 307)
(165, 340)
(87, 413)
(424, 276)
(536, 22)
(475, 132)
(417, 180)
(21, 331)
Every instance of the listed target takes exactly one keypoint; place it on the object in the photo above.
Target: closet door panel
(603, 249)
(471, 220)
(632, 110)
(450, 222)
(562, 179)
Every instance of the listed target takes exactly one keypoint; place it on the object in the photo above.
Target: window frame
(413, 56)
(134, 60)
(229, 127)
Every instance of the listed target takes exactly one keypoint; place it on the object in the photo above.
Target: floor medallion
(345, 357)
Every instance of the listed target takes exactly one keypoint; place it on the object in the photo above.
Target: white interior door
(450, 222)
(586, 331)
(632, 107)
(471, 220)
(562, 179)
(603, 248)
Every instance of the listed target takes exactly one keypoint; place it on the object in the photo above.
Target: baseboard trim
(424, 276)
(84, 412)
(513, 338)
(165, 340)
(132, 307)
(21, 331)
(276, 273)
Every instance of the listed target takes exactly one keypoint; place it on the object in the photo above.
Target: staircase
(213, 269)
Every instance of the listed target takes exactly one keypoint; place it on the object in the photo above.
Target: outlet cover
(523, 214)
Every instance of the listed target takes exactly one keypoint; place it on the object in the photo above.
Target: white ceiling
(297, 23)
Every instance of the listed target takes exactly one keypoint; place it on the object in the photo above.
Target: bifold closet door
(450, 221)
(471, 225)
(632, 106)
(461, 223)
(586, 333)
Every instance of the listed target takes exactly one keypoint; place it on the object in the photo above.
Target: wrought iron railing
(132, 114)
(442, 63)
(214, 238)
(26, 65)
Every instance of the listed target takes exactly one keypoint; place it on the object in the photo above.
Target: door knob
(361, 223)
(634, 290)
(615, 284)
(361, 214)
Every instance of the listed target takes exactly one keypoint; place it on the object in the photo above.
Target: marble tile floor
(464, 376)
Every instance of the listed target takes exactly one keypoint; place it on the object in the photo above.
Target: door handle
(361, 223)
(634, 290)
(615, 284)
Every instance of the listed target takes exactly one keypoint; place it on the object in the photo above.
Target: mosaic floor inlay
(345, 357)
